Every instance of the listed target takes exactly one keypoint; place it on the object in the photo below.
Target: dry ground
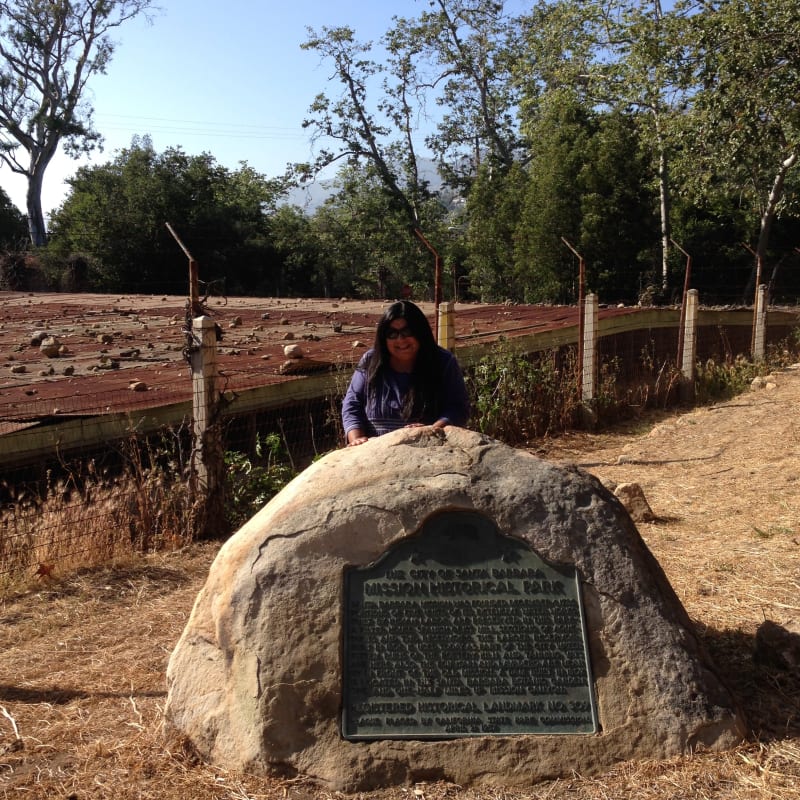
(83, 658)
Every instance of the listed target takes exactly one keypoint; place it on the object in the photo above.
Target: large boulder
(255, 681)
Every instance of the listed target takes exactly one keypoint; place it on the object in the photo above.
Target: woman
(404, 380)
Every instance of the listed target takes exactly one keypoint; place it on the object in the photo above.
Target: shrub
(516, 397)
(250, 483)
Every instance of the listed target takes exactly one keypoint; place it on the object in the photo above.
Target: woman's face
(402, 345)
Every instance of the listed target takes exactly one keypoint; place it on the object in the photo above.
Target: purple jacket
(384, 413)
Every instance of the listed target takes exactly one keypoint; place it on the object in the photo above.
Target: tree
(618, 218)
(365, 248)
(116, 216)
(12, 224)
(545, 268)
(470, 48)
(50, 49)
(614, 54)
(362, 131)
(493, 211)
(454, 56)
(743, 125)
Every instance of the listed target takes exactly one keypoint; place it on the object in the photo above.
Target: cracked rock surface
(255, 681)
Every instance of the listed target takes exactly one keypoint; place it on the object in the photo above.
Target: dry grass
(82, 672)
(75, 521)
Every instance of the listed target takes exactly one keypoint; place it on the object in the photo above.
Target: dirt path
(724, 483)
(83, 660)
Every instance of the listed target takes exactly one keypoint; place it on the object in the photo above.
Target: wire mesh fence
(97, 443)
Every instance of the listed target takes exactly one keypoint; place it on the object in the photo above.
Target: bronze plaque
(462, 631)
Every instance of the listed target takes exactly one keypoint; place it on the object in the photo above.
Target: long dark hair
(422, 401)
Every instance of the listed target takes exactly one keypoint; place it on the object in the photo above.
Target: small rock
(632, 497)
(358, 343)
(50, 347)
(138, 386)
(288, 335)
(293, 351)
(105, 338)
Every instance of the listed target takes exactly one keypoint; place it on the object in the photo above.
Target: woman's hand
(355, 437)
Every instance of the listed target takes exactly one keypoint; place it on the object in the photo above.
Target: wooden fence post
(589, 365)
(759, 331)
(446, 326)
(688, 353)
(208, 456)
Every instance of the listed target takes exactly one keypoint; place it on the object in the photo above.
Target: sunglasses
(402, 333)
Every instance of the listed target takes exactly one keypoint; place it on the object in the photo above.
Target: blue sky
(226, 78)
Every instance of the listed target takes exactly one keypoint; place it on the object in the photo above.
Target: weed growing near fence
(720, 381)
(250, 483)
(516, 398)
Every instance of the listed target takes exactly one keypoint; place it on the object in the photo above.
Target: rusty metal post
(437, 269)
(195, 309)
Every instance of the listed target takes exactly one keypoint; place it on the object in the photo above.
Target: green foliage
(363, 241)
(544, 266)
(618, 221)
(13, 231)
(48, 52)
(614, 125)
(494, 212)
(516, 398)
(721, 381)
(251, 482)
(116, 215)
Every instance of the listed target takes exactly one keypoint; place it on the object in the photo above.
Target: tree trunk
(663, 188)
(767, 218)
(33, 199)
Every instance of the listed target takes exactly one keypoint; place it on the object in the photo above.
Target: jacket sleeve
(455, 407)
(354, 405)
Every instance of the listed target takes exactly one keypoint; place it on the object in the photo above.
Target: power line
(199, 127)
